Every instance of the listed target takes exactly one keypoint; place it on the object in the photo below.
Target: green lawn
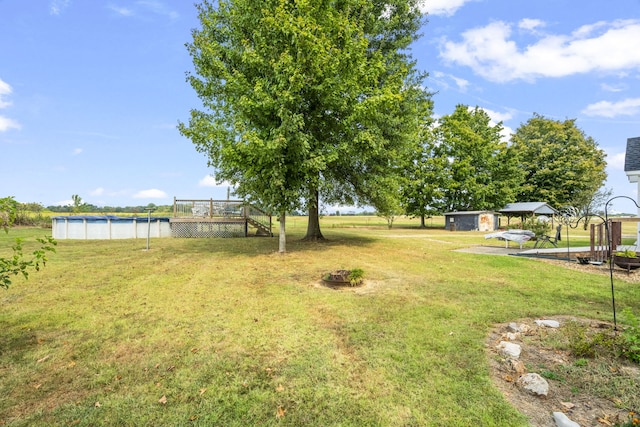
(227, 332)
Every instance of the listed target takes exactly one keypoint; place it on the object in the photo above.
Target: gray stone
(563, 421)
(512, 336)
(509, 349)
(534, 384)
(513, 327)
(524, 328)
(548, 323)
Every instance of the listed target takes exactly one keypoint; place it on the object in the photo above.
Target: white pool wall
(108, 227)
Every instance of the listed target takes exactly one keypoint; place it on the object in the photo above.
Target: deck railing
(227, 209)
(208, 208)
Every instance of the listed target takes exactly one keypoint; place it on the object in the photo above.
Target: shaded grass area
(228, 332)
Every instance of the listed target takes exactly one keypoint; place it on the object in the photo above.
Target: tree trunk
(282, 238)
(422, 224)
(313, 226)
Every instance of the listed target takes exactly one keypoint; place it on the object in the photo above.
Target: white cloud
(626, 107)
(442, 7)
(57, 6)
(613, 88)
(77, 151)
(152, 193)
(5, 90)
(210, 181)
(461, 83)
(120, 10)
(606, 47)
(158, 8)
(5, 122)
(616, 160)
(154, 6)
(497, 117)
(506, 133)
(442, 79)
(97, 192)
(530, 24)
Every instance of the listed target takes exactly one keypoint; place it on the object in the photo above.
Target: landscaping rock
(513, 327)
(563, 421)
(524, 328)
(512, 336)
(548, 323)
(534, 384)
(509, 349)
(516, 366)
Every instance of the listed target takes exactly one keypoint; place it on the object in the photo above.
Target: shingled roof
(632, 159)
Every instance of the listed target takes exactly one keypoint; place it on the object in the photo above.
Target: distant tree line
(34, 214)
(89, 208)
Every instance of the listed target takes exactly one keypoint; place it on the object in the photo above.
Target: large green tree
(479, 169)
(306, 99)
(562, 165)
(424, 179)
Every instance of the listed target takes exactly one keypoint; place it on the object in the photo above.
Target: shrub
(540, 228)
(583, 344)
(631, 335)
(627, 253)
(356, 276)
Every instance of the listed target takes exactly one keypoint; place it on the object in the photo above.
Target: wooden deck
(218, 218)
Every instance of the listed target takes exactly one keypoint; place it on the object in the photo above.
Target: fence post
(616, 234)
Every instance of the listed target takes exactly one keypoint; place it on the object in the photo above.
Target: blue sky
(91, 91)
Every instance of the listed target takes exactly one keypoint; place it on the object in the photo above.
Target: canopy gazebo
(527, 209)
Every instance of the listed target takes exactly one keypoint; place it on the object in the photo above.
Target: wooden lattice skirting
(226, 228)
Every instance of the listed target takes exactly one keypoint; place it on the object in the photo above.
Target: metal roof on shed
(528, 208)
(468, 212)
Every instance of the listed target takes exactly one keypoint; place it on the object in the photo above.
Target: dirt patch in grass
(595, 391)
(367, 286)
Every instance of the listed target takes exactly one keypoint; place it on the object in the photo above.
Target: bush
(19, 263)
(583, 344)
(631, 335)
(540, 228)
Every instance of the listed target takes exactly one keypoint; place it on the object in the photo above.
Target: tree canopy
(562, 165)
(303, 99)
(423, 184)
(479, 169)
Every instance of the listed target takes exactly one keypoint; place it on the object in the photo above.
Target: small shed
(527, 209)
(472, 221)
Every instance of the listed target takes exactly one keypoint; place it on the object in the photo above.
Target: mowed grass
(228, 332)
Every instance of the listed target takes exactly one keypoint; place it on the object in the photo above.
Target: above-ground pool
(109, 227)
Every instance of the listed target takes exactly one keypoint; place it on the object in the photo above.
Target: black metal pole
(609, 240)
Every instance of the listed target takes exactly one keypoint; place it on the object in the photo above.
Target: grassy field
(227, 332)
